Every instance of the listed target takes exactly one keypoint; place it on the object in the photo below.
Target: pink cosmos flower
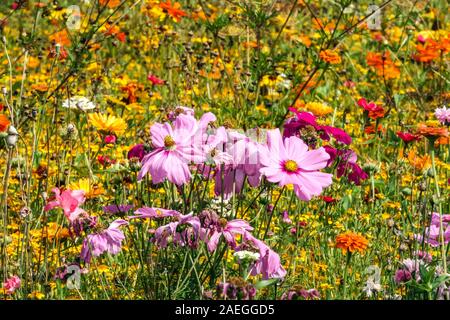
(432, 233)
(183, 232)
(245, 154)
(290, 162)
(268, 264)
(229, 230)
(108, 240)
(154, 213)
(69, 201)
(175, 147)
(12, 284)
(443, 115)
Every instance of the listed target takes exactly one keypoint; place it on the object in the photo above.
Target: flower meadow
(237, 150)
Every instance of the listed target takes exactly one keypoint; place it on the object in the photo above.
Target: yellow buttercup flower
(108, 123)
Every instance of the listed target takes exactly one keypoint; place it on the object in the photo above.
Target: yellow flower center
(291, 166)
(169, 142)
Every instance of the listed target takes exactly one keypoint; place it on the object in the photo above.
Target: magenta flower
(443, 115)
(175, 147)
(268, 264)
(339, 134)
(110, 139)
(290, 162)
(137, 151)
(229, 230)
(69, 201)
(108, 240)
(12, 284)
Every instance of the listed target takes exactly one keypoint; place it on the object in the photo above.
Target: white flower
(78, 102)
(246, 256)
(370, 287)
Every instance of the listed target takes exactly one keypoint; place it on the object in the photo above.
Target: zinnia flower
(407, 137)
(330, 56)
(290, 162)
(351, 242)
(431, 132)
(108, 240)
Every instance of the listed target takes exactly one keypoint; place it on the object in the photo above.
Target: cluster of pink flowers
(207, 227)
(432, 233)
(100, 241)
(12, 284)
(232, 158)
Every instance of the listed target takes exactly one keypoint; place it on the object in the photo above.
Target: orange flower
(115, 32)
(420, 163)
(110, 3)
(131, 89)
(383, 65)
(330, 56)
(428, 51)
(174, 11)
(431, 132)
(61, 37)
(4, 123)
(352, 242)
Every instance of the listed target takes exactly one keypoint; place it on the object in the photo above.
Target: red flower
(328, 199)
(155, 80)
(407, 137)
(373, 110)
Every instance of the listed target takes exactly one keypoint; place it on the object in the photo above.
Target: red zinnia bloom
(155, 80)
(407, 137)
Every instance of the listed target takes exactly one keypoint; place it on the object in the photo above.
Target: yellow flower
(103, 268)
(36, 295)
(108, 123)
(319, 109)
(90, 190)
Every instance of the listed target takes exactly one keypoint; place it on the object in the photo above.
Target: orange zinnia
(428, 51)
(4, 123)
(330, 56)
(383, 65)
(174, 11)
(352, 242)
(61, 38)
(430, 132)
